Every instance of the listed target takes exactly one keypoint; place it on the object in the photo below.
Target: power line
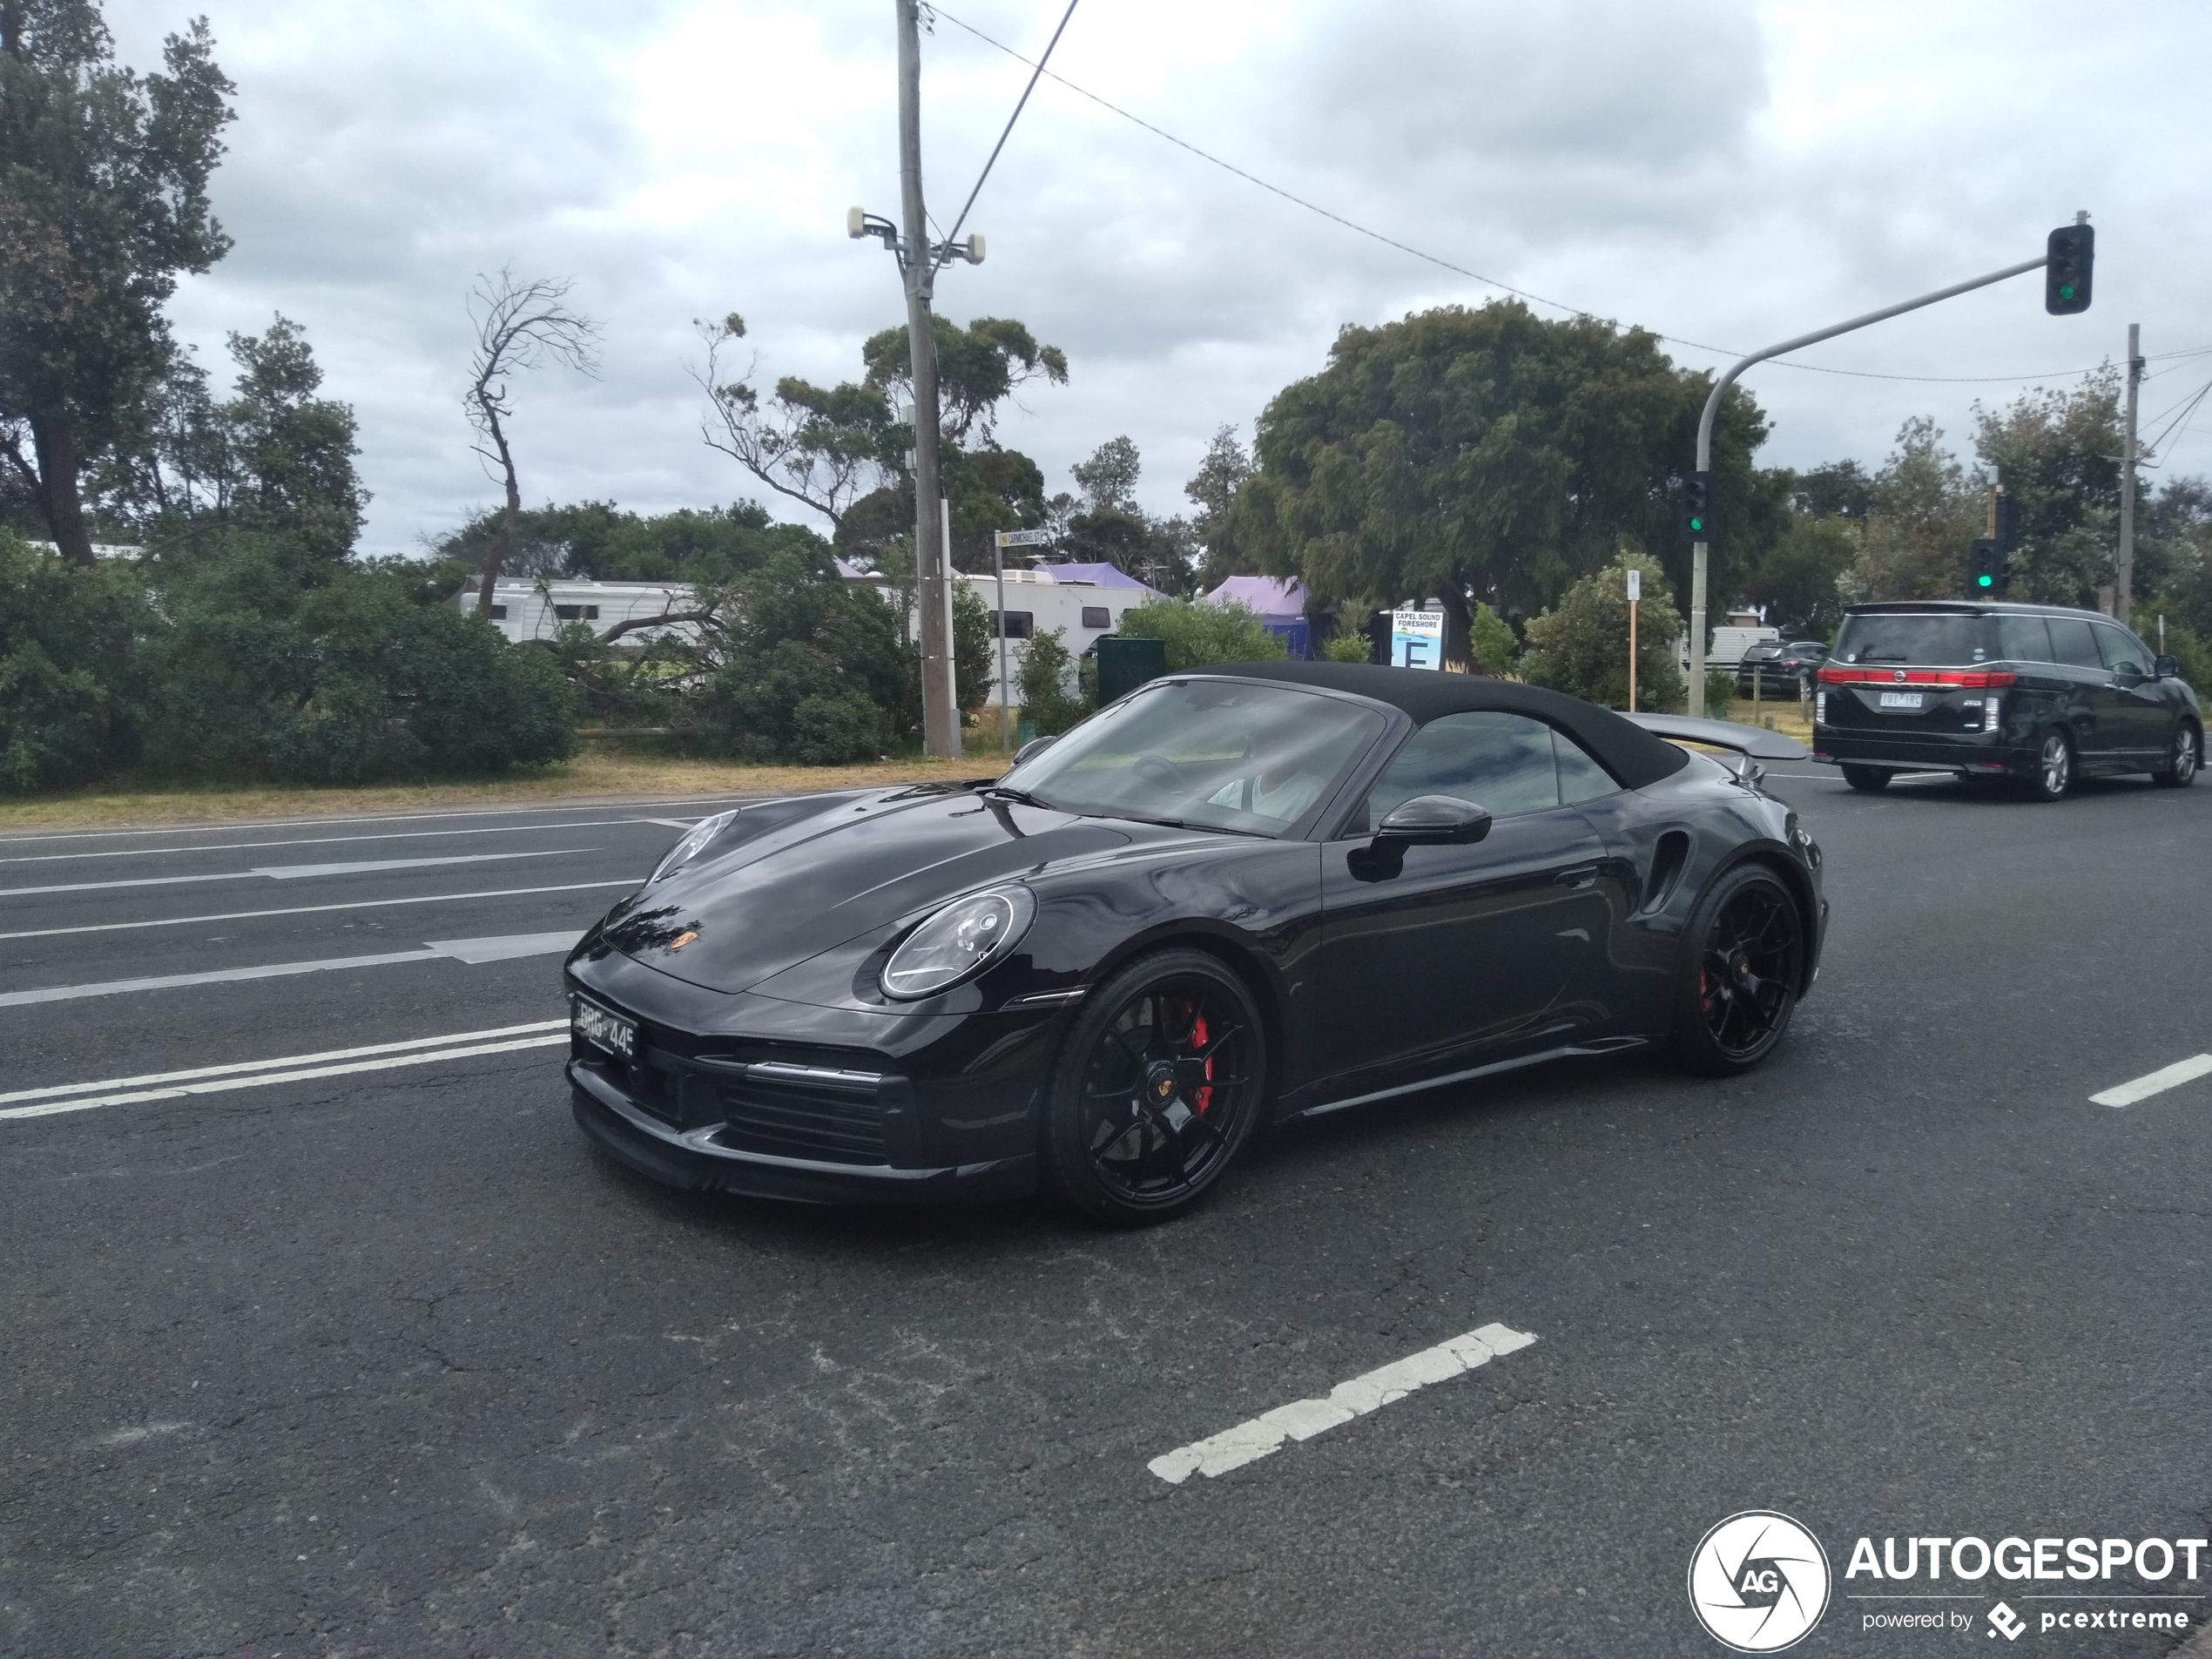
(1461, 270)
(1019, 104)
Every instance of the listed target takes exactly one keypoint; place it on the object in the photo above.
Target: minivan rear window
(1931, 640)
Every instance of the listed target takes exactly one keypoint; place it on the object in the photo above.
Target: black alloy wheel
(1868, 779)
(2184, 757)
(1157, 1088)
(1744, 959)
(2053, 777)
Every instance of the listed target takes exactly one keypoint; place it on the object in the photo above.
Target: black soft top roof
(1634, 756)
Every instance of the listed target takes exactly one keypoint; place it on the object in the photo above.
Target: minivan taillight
(1968, 678)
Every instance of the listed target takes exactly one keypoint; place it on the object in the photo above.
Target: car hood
(790, 880)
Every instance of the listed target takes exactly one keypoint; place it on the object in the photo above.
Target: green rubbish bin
(1124, 664)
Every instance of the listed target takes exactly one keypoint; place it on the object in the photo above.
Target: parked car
(1784, 670)
(2040, 695)
(1236, 896)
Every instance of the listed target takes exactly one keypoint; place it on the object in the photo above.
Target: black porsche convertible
(1236, 896)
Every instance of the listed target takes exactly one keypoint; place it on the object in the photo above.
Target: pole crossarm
(1699, 549)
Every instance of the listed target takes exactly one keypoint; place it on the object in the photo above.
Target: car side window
(1504, 763)
(2124, 653)
(1579, 776)
(2073, 642)
(2024, 639)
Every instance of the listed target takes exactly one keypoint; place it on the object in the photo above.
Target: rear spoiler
(1755, 741)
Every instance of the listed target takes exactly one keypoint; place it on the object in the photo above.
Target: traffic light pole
(1699, 549)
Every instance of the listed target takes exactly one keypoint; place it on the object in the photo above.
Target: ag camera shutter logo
(1758, 1582)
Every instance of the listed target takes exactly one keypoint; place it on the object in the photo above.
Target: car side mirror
(1435, 820)
(2167, 667)
(1034, 747)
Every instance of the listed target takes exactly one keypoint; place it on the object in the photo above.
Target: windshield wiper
(1184, 823)
(1021, 795)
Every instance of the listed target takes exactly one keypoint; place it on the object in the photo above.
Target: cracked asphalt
(394, 1364)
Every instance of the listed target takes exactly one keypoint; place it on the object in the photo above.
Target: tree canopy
(1488, 454)
(104, 203)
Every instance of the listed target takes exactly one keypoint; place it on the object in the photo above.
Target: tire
(2052, 777)
(2184, 757)
(1743, 958)
(1157, 1090)
(1868, 779)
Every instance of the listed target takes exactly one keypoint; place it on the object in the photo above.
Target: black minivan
(2038, 694)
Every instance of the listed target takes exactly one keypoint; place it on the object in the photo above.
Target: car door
(2089, 706)
(1449, 949)
(2140, 718)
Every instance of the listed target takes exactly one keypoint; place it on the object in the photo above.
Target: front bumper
(698, 1160)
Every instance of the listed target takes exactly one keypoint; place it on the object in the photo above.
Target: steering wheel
(1162, 774)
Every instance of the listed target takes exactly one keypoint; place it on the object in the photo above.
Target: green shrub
(1348, 648)
(1490, 642)
(815, 671)
(1581, 645)
(1047, 703)
(1197, 635)
(69, 691)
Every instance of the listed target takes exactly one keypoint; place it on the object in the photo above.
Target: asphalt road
(391, 1362)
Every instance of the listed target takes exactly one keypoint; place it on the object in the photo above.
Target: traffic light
(1698, 505)
(2071, 259)
(1985, 568)
(2008, 522)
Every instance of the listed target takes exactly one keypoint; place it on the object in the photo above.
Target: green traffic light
(2066, 290)
(1985, 581)
(1697, 523)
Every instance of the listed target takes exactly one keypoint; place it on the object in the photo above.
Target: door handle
(1581, 876)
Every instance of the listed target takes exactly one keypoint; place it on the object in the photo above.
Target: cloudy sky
(1723, 171)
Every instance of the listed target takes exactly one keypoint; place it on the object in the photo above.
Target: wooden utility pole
(939, 718)
(2123, 599)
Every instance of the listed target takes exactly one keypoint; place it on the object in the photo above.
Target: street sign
(1635, 584)
(1417, 639)
(1025, 539)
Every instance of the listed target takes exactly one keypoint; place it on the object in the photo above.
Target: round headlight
(688, 849)
(960, 940)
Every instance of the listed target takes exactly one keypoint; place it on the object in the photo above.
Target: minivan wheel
(2053, 773)
(2183, 759)
(1872, 780)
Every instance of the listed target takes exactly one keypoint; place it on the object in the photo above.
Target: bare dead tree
(521, 325)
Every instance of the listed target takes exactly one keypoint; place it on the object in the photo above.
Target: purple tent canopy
(1280, 605)
(1099, 575)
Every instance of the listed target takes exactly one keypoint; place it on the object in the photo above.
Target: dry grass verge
(592, 775)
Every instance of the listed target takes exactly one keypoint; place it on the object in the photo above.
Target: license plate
(595, 1025)
(1901, 699)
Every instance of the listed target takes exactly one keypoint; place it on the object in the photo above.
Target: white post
(1006, 727)
(2128, 479)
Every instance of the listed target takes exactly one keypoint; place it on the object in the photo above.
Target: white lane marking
(474, 951)
(319, 841)
(669, 823)
(2156, 1083)
(237, 826)
(294, 871)
(53, 1109)
(1303, 1419)
(317, 910)
(147, 1079)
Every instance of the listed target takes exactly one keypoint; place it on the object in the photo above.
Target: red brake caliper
(1202, 1097)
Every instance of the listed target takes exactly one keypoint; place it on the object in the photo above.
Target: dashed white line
(499, 949)
(317, 910)
(1303, 1419)
(292, 872)
(321, 841)
(2156, 1083)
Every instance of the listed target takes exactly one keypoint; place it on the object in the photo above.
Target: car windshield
(1222, 754)
(1928, 638)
